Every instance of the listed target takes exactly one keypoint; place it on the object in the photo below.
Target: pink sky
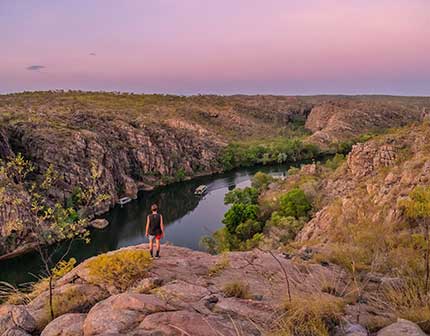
(223, 46)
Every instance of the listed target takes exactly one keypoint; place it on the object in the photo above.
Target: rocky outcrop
(182, 293)
(344, 119)
(377, 175)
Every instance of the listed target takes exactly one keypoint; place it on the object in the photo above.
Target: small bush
(120, 269)
(236, 289)
(180, 175)
(293, 171)
(290, 226)
(335, 162)
(315, 314)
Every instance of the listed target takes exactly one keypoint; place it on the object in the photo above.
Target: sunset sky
(221, 47)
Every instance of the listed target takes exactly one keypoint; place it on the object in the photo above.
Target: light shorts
(152, 237)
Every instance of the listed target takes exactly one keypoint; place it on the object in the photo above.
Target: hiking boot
(152, 255)
(157, 254)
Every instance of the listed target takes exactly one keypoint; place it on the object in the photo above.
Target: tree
(295, 204)
(261, 180)
(237, 214)
(248, 195)
(417, 207)
(52, 223)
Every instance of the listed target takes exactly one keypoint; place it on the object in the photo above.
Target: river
(187, 219)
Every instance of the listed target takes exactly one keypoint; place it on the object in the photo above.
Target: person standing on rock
(154, 229)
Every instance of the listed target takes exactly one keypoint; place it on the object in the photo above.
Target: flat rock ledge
(181, 294)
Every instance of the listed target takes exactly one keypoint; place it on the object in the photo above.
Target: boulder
(15, 332)
(66, 325)
(120, 312)
(186, 323)
(401, 328)
(352, 329)
(69, 298)
(99, 223)
(15, 317)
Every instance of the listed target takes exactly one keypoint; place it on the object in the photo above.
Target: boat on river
(124, 200)
(201, 190)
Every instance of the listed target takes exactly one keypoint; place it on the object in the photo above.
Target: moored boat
(201, 190)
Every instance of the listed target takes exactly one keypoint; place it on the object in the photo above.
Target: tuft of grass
(12, 295)
(236, 289)
(219, 266)
(120, 269)
(408, 300)
(315, 314)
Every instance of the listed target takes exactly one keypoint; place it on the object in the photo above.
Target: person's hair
(154, 207)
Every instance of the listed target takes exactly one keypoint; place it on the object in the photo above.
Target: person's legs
(157, 243)
(151, 244)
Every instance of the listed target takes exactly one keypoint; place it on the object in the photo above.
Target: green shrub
(237, 214)
(290, 225)
(294, 204)
(248, 195)
(248, 229)
(335, 162)
(261, 181)
(180, 175)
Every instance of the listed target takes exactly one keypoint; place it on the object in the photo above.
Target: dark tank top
(154, 224)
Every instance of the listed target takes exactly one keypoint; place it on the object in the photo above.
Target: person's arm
(147, 226)
(162, 225)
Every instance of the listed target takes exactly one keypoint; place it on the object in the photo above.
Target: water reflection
(186, 216)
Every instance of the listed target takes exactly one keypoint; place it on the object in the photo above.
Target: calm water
(187, 218)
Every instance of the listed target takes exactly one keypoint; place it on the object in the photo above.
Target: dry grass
(315, 314)
(120, 269)
(219, 266)
(236, 289)
(409, 301)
